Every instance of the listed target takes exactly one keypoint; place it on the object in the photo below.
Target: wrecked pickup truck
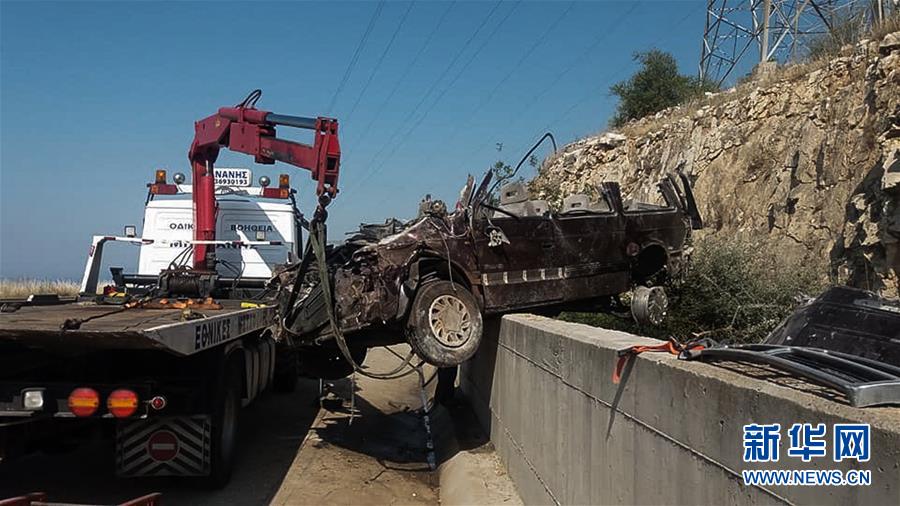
(429, 282)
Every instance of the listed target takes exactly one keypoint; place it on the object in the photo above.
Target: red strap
(672, 346)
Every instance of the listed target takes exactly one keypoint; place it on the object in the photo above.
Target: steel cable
(355, 58)
(593, 92)
(384, 54)
(405, 73)
(427, 94)
(459, 74)
(487, 98)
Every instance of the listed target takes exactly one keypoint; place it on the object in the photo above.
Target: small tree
(502, 170)
(503, 173)
(657, 85)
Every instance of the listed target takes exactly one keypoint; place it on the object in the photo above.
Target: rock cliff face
(805, 163)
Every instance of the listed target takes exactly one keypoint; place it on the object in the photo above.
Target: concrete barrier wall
(542, 389)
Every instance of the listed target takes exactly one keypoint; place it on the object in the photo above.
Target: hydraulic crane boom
(245, 129)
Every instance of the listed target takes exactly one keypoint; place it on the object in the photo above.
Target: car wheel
(445, 325)
(225, 422)
(649, 305)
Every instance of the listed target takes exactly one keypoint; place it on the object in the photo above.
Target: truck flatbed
(112, 327)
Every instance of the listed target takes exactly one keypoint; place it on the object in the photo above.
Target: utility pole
(764, 41)
(778, 30)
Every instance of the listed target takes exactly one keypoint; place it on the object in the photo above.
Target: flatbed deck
(112, 327)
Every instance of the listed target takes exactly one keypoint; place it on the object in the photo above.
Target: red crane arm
(248, 130)
(252, 131)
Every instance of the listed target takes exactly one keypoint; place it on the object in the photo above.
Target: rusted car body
(505, 256)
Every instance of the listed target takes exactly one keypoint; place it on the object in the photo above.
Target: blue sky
(95, 96)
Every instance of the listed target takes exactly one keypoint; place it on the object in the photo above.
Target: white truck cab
(169, 225)
(254, 233)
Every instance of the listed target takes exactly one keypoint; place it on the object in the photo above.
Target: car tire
(649, 305)
(445, 325)
(225, 422)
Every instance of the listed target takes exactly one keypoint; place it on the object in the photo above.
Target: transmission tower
(755, 31)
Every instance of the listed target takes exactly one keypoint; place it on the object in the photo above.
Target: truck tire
(445, 325)
(225, 424)
(287, 371)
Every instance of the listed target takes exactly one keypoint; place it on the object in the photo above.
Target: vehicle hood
(845, 320)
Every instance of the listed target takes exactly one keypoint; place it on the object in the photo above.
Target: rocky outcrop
(805, 163)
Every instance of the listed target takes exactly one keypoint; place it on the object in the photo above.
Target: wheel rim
(450, 321)
(657, 306)
(649, 305)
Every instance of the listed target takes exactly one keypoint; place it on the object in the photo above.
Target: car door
(591, 248)
(517, 261)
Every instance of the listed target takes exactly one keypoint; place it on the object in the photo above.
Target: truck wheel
(649, 306)
(445, 324)
(225, 422)
(287, 371)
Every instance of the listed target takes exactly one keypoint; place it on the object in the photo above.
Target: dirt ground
(291, 452)
(379, 458)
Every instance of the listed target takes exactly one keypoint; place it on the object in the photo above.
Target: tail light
(158, 402)
(84, 401)
(122, 403)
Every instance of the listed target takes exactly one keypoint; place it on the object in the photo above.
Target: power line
(537, 42)
(440, 96)
(593, 92)
(355, 58)
(406, 72)
(604, 34)
(430, 90)
(610, 29)
(384, 53)
(440, 78)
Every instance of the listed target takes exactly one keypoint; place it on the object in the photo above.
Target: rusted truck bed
(111, 327)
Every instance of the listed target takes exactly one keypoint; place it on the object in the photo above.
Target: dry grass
(889, 25)
(21, 288)
(783, 73)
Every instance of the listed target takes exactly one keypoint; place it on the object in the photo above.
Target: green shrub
(657, 85)
(732, 292)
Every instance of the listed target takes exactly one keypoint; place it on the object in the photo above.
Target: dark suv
(430, 281)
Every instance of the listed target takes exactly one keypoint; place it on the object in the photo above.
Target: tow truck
(163, 359)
